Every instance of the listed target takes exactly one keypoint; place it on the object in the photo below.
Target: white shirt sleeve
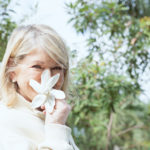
(57, 137)
(13, 137)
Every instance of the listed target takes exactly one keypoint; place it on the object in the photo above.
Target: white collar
(24, 105)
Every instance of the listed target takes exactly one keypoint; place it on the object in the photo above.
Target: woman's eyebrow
(42, 63)
(38, 61)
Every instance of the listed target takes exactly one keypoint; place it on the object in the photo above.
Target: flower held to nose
(46, 93)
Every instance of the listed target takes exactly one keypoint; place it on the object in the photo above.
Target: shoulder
(2, 105)
(7, 117)
(4, 111)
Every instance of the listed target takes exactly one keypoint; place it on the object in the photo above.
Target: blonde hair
(23, 40)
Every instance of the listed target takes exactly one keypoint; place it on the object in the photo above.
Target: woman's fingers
(62, 105)
(44, 111)
(42, 106)
(60, 112)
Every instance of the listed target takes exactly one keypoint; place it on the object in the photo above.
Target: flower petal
(38, 100)
(51, 82)
(58, 94)
(49, 105)
(45, 77)
(35, 85)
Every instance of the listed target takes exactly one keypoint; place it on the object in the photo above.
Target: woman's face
(31, 67)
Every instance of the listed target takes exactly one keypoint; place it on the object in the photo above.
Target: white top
(22, 128)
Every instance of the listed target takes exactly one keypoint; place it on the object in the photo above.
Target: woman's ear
(12, 76)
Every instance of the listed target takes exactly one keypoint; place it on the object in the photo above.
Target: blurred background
(109, 45)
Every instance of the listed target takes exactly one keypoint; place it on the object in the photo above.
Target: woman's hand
(59, 114)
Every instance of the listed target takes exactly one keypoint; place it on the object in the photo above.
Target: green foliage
(102, 93)
(112, 29)
(107, 112)
(6, 25)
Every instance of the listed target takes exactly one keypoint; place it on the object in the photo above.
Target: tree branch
(109, 130)
(129, 129)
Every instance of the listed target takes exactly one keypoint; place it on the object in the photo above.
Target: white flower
(46, 94)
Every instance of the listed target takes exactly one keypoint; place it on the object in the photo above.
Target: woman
(30, 51)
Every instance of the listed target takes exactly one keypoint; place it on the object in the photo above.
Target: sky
(54, 14)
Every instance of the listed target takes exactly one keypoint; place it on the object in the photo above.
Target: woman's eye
(37, 67)
(57, 68)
